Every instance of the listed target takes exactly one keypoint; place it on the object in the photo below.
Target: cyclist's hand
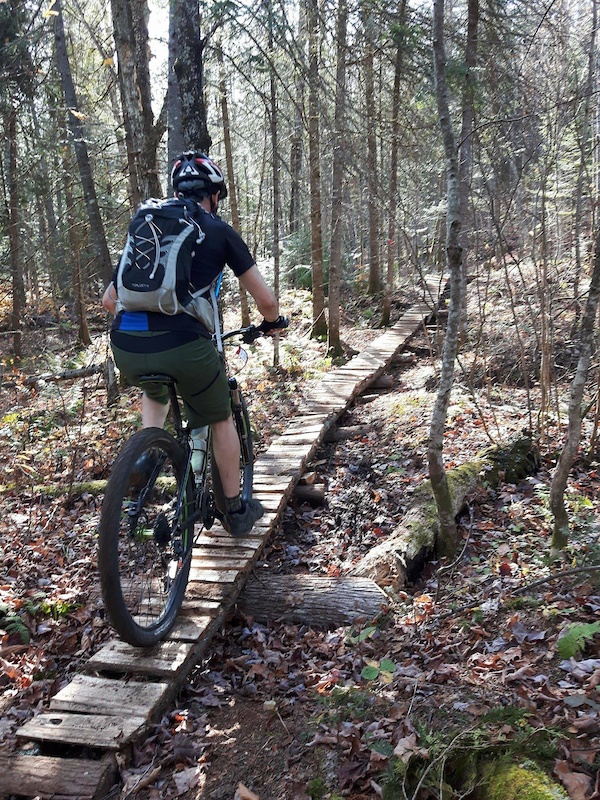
(279, 324)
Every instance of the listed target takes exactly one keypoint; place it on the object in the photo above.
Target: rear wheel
(244, 431)
(144, 548)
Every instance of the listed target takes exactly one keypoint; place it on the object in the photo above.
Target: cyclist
(143, 342)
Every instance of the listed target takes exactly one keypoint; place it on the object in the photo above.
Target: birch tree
(437, 473)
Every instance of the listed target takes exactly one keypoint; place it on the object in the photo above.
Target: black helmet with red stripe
(194, 173)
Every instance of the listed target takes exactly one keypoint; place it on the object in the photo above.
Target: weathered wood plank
(90, 694)
(46, 777)
(202, 575)
(197, 590)
(191, 627)
(103, 731)
(220, 559)
(225, 540)
(165, 660)
(200, 606)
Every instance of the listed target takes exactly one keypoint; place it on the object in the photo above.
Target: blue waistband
(134, 321)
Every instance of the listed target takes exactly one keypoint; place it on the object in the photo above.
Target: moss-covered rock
(520, 782)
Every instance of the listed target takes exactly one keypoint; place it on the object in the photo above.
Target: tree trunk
(392, 200)
(466, 148)
(437, 474)
(335, 260)
(274, 125)
(130, 26)
(560, 534)
(418, 536)
(14, 236)
(584, 158)
(189, 69)
(319, 329)
(231, 183)
(97, 234)
(175, 143)
(370, 180)
(298, 129)
(82, 324)
(312, 600)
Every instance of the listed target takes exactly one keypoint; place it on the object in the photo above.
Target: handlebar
(254, 332)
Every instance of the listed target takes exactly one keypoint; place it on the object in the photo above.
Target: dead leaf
(187, 779)
(243, 793)
(578, 785)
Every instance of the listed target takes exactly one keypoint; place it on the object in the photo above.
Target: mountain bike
(152, 503)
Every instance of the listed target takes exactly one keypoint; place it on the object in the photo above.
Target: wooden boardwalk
(122, 689)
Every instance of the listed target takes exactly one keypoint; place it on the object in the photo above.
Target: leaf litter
(284, 710)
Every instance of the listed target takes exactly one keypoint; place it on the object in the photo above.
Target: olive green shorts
(197, 368)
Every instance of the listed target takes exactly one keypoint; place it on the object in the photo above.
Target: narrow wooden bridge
(121, 689)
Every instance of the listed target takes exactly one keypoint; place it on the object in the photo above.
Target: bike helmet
(196, 173)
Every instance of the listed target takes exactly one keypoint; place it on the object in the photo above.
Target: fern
(576, 637)
(14, 624)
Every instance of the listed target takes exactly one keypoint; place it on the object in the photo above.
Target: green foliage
(575, 637)
(13, 624)
(316, 788)
(449, 763)
(383, 670)
(516, 782)
(365, 633)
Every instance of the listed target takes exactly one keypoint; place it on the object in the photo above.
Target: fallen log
(314, 494)
(401, 556)
(336, 434)
(68, 374)
(313, 600)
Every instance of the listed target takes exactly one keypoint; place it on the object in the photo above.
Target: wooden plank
(191, 627)
(197, 590)
(201, 575)
(166, 660)
(90, 694)
(104, 731)
(227, 541)
(200, 606)
(46, 777)
(220, 559)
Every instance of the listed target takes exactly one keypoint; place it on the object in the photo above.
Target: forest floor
(474, 660)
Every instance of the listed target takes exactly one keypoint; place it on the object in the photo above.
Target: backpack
(155, 268)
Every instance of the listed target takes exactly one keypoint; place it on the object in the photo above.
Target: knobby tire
(144, 555)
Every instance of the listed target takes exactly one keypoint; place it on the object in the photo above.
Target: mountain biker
(180, 345)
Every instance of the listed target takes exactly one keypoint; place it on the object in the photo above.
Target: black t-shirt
(221, 246)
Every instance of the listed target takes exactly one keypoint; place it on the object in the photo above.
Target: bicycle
(152, 502)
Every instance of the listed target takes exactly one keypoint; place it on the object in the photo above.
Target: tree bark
(418, 536)
(18, 286)
(298, 127)
(319, 328)
(83, 330)
(392, 200)
(560, 534)
(313, 600)
(189, 69)
(142, 136)
(337, 177)
(274, 126)
(437, 474)
(370, 179)
(97, 234)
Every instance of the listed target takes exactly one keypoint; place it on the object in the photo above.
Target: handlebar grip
(251, 334)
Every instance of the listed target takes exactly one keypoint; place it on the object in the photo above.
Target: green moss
(515, 782)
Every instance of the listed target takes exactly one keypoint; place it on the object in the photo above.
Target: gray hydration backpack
(154, 272)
